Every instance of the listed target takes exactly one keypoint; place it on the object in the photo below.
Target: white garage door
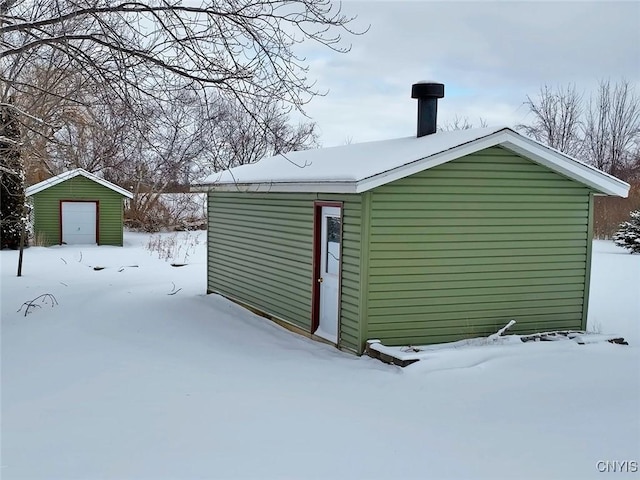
(79, 222)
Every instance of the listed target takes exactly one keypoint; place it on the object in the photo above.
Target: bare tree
(239, 138)
(604, 132)
(59, 103)
(612, 129)
(556, 118)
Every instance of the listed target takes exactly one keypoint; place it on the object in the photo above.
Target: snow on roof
(38, 187)
(356, 168)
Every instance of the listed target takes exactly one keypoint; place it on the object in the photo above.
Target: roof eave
(599, 181)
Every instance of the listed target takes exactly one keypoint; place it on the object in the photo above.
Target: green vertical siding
(459, 250)
(46, 210)
(260, 253)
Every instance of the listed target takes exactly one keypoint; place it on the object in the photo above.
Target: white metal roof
(38, 187)
(356, 168)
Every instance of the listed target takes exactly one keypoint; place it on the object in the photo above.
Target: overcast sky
(489, 55)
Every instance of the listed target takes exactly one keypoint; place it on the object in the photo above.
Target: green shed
(417, 240)
(77, 207)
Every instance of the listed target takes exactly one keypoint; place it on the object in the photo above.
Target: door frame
(97, 203)
(317, 249)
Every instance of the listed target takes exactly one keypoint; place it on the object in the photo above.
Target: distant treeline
(610, 212)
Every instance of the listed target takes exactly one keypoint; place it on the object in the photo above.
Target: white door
(79, 222)
(330, 251)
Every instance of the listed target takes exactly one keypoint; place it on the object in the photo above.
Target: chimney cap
(427, 89)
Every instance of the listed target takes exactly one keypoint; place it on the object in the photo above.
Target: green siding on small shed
(46, 210)
(260, 253)
(459, 250)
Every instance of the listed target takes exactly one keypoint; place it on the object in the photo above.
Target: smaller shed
(77, 207)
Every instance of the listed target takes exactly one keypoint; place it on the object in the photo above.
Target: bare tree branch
(242, 46)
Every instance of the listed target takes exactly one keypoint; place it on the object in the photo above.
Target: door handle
(320, 280)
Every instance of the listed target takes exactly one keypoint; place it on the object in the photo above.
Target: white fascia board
(282, 187)
(567, 166)
(430, 162)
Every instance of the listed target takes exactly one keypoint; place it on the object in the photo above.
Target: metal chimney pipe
(427, 94)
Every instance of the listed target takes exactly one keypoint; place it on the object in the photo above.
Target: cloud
(490, 55)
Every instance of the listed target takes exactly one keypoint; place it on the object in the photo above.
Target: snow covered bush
(628, 235)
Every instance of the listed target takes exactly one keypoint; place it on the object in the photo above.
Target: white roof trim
(38, 187)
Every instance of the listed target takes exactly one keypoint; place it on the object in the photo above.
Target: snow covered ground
(124, 380)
